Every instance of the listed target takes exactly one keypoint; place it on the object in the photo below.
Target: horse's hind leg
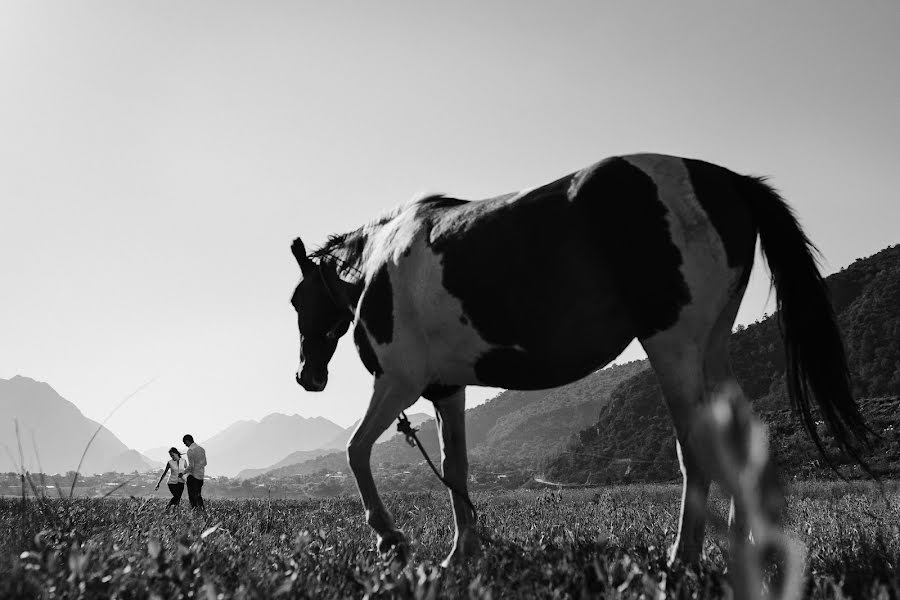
(720, 382)
(678, 362)
(722, 385)
(389, 397)
(691, 362)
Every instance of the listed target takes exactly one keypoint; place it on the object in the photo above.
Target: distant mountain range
(254, 444)
(53, 433)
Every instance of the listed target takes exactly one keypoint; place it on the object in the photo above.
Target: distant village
(390, 478)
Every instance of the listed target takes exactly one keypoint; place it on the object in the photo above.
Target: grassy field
(608, 542)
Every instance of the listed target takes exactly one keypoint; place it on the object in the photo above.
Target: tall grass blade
(37, 457)
(19, 443)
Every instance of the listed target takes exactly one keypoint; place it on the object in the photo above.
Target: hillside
(513, 429)
(59, 431)
(634, 433)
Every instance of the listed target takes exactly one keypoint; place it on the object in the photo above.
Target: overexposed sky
(157, 159)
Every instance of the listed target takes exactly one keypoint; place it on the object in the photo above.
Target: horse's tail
(816, 364)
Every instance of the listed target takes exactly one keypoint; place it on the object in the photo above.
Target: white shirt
(176, 467)
(197, 461)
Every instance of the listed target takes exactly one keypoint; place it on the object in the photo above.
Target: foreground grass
(583, 543)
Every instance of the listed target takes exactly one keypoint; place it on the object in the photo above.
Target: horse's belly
(555, 351)
(568, 359)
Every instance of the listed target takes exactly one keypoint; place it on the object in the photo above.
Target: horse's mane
(334, 242)
(345, 250)
(350, 245)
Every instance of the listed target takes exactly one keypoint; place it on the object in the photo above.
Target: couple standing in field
(188, 472)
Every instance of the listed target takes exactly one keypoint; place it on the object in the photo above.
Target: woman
(175, 468)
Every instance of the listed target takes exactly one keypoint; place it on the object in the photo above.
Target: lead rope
(406, 428)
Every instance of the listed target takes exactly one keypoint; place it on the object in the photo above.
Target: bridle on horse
(331, 296)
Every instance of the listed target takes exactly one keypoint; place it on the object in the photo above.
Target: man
(195, 471)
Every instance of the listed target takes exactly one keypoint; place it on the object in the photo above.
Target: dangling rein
(406, 428)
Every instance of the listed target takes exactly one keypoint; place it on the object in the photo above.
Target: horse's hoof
(394, 542)
(466, 549)
(687, 557)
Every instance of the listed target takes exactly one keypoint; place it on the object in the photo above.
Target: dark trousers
(194, 486)
(177, 490)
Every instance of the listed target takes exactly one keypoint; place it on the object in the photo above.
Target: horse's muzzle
(311, 383)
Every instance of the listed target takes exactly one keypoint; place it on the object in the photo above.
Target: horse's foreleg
(388, 399)
(451, 421)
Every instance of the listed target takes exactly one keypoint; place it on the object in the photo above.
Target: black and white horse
(538, 288)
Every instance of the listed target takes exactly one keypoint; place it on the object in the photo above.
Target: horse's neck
(349, 266)
(352, 291)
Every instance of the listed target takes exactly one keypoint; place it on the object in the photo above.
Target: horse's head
(321, 319)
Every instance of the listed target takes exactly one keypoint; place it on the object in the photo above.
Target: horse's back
(642, 228)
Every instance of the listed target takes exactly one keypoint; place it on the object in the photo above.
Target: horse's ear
(299, 251)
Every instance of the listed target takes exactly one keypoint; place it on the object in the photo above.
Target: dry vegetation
(608, 542)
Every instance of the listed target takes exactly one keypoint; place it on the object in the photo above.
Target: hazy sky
(157, 159)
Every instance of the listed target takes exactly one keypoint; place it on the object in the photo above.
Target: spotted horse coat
(539, 288)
